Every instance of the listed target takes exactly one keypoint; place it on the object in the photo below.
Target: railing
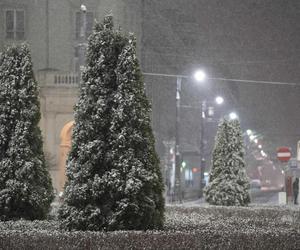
(58, 79)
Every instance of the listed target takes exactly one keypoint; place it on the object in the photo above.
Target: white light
(282, 171)
(233, 116)
(205, 174)
(200, 76)
(263, 153)
(260, 146)
(83, 8)
(256, 141)
(252, 137)
(249, 132)
(219, 100)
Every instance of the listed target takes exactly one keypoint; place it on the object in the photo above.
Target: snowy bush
(114, 179)
(185, 228)
(25, 184)
(228, 183)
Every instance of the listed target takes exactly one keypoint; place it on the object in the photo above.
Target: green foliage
(228, 184)
(25, 184)
(114, 179)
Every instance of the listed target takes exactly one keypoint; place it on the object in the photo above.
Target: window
(89, 23)
(15, 24)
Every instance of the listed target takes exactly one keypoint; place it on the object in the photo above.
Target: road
(267, 197)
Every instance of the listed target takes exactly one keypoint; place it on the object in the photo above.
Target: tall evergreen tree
(25, 184)
(114, 180)
(229, 184)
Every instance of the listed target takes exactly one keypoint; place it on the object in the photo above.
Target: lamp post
(219, 100)
(198, 76)
(82, 37)
(177, 188)
(202, 159)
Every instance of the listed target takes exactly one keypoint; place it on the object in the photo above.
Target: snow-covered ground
(186, 227)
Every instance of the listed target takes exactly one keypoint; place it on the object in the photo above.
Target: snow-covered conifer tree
(114, 180)
(229, 184)
(25, 184)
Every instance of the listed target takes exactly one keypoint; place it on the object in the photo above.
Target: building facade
(52, 30)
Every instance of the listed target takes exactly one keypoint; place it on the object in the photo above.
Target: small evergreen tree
(229, 184)
(25, 184)
(114, 180)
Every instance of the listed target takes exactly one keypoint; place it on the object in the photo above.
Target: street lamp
(218, 100)
(233, 116)
(249, 132)
(200, 77)
(82, 36)
(177, 188)
(83, 8)
(252, 137)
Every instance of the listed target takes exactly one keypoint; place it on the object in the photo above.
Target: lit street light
(233, 116)
(219, 100)
(252, 137)
(83, 8)
(200, 76)
(249, 132)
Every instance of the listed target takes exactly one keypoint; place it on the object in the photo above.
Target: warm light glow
(200, 76)
(219, 100)
(194, 170)
(233, 116)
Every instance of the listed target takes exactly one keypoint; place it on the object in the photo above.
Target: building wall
(35, 24)
(50, 32)
(57, 111)
(50, 26)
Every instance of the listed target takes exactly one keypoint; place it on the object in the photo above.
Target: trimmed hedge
(202, 239)
(185, 228)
